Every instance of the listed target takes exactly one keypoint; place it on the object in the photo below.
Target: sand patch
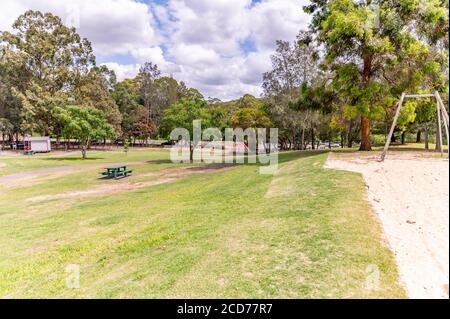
(410, 195)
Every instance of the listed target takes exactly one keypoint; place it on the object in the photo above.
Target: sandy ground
(410, 194)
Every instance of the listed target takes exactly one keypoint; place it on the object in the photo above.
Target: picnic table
(117, 171)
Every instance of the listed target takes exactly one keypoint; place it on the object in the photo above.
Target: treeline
(338, 81)
(50, 85)
(341, 78)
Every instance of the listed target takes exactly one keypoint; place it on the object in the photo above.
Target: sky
(221, 47)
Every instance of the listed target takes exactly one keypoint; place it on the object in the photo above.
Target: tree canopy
(84, 123)
(339, 79)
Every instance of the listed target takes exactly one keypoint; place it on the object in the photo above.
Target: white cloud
(204, 37)
(194, 55)
(276, 20)
(197, 41)
(214, 24)
(113, 26)
(123, 70)
(156, 56)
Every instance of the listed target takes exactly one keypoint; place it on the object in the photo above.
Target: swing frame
(442, 116)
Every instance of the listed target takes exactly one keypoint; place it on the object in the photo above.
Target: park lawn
(306, 232)
(16, 164)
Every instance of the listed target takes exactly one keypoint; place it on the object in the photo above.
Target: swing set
(442, 116)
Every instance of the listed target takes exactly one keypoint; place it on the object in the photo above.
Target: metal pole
(394, 122)
(445, 118)
(444, 111)
(439, 124)
(419, 95)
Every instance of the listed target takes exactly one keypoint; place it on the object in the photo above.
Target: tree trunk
(329, 141)
(393, 138)
(438, 140)
(427, 147)
(366, 144)
(302, 147)
(419, 136)
(313, 146)
(350, 135)
(83, 151)
(293, 140)
(403, 138)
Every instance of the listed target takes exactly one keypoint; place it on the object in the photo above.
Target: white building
(39, 144)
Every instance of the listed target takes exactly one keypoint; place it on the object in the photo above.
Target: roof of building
(36, 138)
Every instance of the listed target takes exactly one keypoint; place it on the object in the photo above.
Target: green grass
(15, 164)
(306, 232)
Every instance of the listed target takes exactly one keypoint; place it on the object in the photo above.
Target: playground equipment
(442, 116)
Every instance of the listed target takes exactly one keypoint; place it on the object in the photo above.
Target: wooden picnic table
(116, 171)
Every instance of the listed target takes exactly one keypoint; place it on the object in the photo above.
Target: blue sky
(221, 47)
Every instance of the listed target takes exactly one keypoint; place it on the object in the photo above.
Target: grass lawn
(306, 232)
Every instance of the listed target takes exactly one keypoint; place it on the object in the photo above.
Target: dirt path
(162, 177)
(411, 197)
(36, 176)
(40, 175)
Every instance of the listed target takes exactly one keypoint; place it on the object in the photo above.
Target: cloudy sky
(221, 47)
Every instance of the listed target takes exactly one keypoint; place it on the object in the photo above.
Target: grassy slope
(208, 235)
(17, 164)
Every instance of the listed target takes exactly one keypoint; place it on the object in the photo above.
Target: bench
(117, 171)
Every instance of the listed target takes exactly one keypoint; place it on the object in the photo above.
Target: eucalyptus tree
(292, 65)
(376, 49)
(54, 57)
(150, 92)
(94, 89)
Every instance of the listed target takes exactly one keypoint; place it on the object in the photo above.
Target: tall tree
(362, 38)
(126, 96)
(94, 90)
(292, 64)
(54, 58)
(182, 114)
(150, 91)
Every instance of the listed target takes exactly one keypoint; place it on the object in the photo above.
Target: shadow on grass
(294, 155)
(161, 161)
(106, 178)
(282, 158)
(411, 149)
